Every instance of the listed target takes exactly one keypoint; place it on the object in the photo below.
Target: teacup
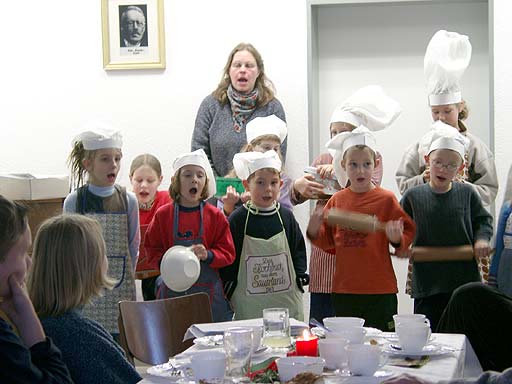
(209, 366)
(410, 317)
(413, 336)
(364, 359)
(355, 335)
(333, 351)
(335, 324)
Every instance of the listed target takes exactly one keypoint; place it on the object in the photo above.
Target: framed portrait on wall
(133, 34)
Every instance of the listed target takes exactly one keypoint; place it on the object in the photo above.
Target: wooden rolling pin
(458, 253)
(355, 221)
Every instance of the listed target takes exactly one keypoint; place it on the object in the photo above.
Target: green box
(224, 182)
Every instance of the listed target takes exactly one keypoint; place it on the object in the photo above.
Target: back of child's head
(146, 159)
(13, 224)
(69, 265)
(86, 144)
(197, 158)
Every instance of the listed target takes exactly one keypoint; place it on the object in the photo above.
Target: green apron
(266, 277)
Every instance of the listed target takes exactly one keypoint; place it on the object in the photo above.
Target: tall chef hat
(247, 163)
(268, 125)
(99, 135)
(447, 56)
(368, 106)
(345, 140)
(444, 136)
(200, 159)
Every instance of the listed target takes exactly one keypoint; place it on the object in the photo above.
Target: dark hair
(463, 110)
(13, 224)
(76, 163)
(263, 84)
(174, 188)
(146, 159)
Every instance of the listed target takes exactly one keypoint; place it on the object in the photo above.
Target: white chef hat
(99, 135)
(200, 159)
(368, 106)
(447, 56)
(247, 163)
(444, 136)
(345, 140)
(268, 125)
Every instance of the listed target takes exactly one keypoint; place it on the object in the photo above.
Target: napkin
(208, 329)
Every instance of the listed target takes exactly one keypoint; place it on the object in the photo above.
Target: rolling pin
(458, 253)
(355, 221)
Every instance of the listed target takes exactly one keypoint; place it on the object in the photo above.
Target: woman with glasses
(447, 214)
(243, 93)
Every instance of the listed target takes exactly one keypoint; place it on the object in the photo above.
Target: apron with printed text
(266, 277)
(208, 281)
(104, 309)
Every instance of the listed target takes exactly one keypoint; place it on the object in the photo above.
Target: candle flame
(306, 335)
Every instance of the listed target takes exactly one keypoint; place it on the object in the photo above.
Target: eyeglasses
(449, 167)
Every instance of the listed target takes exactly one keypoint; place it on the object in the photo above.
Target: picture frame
(133, 34)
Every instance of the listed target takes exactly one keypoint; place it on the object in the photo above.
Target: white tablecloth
(462, 362)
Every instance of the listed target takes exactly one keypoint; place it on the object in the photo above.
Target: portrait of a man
(133, 27)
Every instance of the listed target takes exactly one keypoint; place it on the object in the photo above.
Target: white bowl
(179, 268)
(337, 323)
(289, 367)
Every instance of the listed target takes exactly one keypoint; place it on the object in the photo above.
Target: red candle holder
(306, 345)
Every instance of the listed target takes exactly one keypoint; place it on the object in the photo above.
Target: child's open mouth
(111, 177)
(193, 191)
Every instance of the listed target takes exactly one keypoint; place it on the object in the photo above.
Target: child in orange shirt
(364, 281)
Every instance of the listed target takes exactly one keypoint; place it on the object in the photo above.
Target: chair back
(152, 331)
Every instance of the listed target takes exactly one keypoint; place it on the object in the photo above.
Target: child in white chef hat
(190, 222)
(270, 265)
(446, 58)
(364, 283)
(96, 155)
(446, 213)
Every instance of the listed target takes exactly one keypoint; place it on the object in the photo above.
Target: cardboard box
(25, 186)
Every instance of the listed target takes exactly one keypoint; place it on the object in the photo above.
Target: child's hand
(200, 251)
(245, 197)
(230, 199)
(325, 170)
(395, 230)
(315, 221)
(481, 249)
(307, 187)
(21, 312)
(403, 253)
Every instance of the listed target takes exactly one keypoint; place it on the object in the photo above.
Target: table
(462, 362)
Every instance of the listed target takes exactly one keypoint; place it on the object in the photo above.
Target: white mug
(410, 317)
(333, 351)
(208, 366)
(355, 335)
(413, 336)
(364, 359)
(335, 324)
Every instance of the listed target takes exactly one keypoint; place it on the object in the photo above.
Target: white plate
(428, 350)
(165, 370)
(393, 337)
(209, 341)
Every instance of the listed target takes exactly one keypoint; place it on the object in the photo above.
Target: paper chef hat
(444, 136)
(447, 56)
(99, 135)
(368, 106)
(200, 159)
(345, 140)
(268, 125)
(247, 163)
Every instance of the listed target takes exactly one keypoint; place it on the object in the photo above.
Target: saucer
(428, 350)
(209, 341)
(166, 370)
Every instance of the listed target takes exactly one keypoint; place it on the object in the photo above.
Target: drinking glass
(276, 328)
(238, 348)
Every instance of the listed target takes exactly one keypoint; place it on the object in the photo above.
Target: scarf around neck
(242, 106)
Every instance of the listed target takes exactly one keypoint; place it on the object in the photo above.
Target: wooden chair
(152, 331)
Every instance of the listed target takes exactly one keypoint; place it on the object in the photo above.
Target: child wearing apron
(270, 266)
(188, 221)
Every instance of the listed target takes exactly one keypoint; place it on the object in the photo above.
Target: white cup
(364, 359)
(335, 324)
(208, 366)
(410, 317)
(333, 351)
(355, 335)
(413, 336)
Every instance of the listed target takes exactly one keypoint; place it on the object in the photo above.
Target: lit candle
(307, 344)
